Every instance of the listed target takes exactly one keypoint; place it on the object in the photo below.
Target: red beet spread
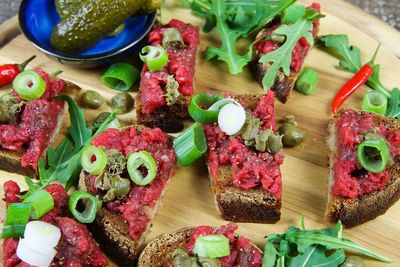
(350, 179)
(242, 252)
(76, 247)
(251, 168)
(301, 48)
(181, 63)
(135, 205)
(35, 124)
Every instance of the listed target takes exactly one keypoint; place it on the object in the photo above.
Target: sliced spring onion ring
(41, 236)
(120, 76)
(94, 159)
(373, 154)
(202, 115)
(90, 202)
(28, 254)
(29, 85)
(16, 219)
(141, 159)
(190, 145)
(307, 81)
(41, 202)
(375, 101)
(211, 246)
(155, 56)
(231, 118)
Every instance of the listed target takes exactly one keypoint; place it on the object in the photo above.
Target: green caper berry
(120, 185)
(92, 99)
(261, 140)
(100, 119)
(353, 261)
(292, 135)
(274, 143)
(123, 101)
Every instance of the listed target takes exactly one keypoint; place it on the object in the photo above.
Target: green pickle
(89, 21)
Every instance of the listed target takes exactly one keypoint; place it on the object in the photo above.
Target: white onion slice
(26, 254)
(231, 118)
(42, 236)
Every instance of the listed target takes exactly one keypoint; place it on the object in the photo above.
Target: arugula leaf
(281, 58)
(315, 256)
(270, 254)
(350, 56)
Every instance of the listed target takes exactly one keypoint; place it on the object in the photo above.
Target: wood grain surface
(188, 200)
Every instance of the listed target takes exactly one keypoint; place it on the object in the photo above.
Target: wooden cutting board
(188, 200)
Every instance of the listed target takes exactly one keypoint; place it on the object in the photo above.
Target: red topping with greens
(181, 63)
(242, 251)
(252, 169)
(76, 247)
(34, 126)
(135, 205)
(351, 180)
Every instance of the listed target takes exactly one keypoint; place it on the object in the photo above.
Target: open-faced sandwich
(167, 77)
(270, 42)
(30, 118)
(128, 169)
(364, 166)
(201, 246)
(52, 237)
(244, 153)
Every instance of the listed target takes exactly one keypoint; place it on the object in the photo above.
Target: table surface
(387, 10)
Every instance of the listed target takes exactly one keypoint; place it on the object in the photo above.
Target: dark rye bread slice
(167, 118)
(254, 205)
(353, 212)
(111, 231)
(10, 161)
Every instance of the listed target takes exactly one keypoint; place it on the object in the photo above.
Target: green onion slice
(120, 76)
(94, 159)
(16, 219)
(203, 115)
(29, 85)
(90, 202)
(190, 145)
(41, 202)
(373, 154)
(307, 81)
(375, 101)
(155, 56)
(211, 246)
(138, 160)
(293, 13)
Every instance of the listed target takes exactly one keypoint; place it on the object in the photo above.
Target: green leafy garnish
(307, 248)
(393, 105)
(64, 161)
(235, 20)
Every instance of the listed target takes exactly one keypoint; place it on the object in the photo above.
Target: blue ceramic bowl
(37, 19)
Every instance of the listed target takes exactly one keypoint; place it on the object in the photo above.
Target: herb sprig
(235, 20)
(306, 248)
(64, 161)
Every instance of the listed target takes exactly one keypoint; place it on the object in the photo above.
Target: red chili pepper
(10, 71)
(355, 82)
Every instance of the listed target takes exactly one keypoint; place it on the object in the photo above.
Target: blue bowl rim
(71, 57)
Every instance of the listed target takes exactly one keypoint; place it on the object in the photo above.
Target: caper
(92, 99)
(261, 140)
(292, 134)
(123, 101)
(181, 258)
(120, 185)
(353, 261)
(274, 143)
(100, 119)
(4, 114)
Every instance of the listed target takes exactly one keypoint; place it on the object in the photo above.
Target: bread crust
(10, 161)
(353, 212)
(255, 205)
(111, 231)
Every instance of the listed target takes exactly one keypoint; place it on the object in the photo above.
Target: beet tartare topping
(252, 169)
(350, 179)
(76, 246)
(34, 122)
(138, 200)
(181, 64)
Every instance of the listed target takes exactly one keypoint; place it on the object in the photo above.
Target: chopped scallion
(16, 219)
(155, 56)
(375, 101)
(29, 85)
(41, 202)
(307, 81)
(90, 202)
(203, 115)
(120, 76)
(138, 160)
(212, 246)
(373, 154)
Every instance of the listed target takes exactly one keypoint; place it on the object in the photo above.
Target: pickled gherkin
(64, 6)
(89, 21)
